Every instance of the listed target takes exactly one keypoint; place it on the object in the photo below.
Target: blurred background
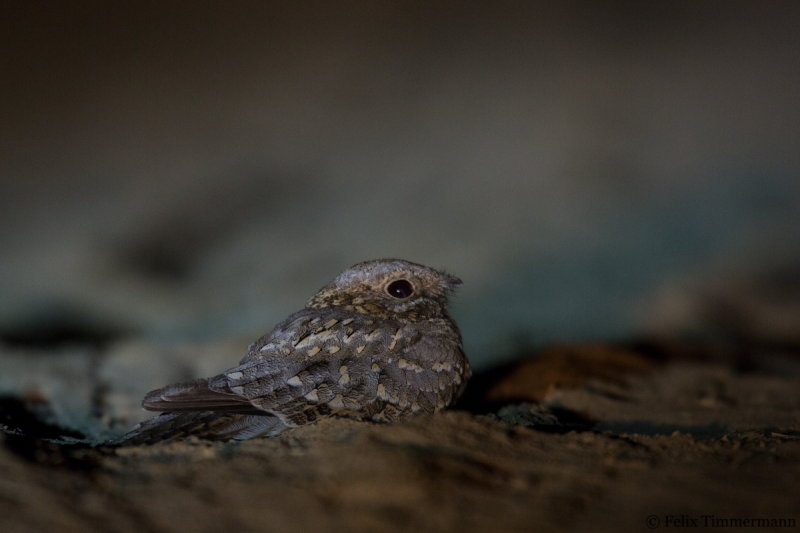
(193, 171)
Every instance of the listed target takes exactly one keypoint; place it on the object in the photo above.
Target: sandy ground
(585, 437)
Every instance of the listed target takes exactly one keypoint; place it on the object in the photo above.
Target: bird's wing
(369, 370)
(295, 389)
(266, 359)
(343, 365)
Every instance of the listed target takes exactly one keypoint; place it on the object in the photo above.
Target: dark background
(196, 170)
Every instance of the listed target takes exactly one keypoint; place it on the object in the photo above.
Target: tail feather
(195, 396)
(203, 424)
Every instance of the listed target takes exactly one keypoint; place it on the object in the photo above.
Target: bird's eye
(400, 288)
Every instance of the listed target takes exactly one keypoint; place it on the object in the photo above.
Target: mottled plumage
(374, 344)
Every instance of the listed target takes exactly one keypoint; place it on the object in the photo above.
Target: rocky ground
(584, 437)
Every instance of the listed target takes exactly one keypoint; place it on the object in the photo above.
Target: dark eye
(400, 288)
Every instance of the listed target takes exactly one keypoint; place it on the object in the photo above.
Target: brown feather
(195, 396)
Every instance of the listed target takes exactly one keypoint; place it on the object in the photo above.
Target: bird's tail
(203, 424)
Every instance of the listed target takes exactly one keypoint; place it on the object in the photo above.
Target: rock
(566, 367)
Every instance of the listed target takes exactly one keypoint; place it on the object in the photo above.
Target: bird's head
(387, 287)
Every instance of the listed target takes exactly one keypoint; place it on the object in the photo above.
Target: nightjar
(374, 344)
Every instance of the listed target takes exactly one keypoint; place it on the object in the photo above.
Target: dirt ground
(586, 437)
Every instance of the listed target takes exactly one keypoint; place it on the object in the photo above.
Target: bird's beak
(453, 281)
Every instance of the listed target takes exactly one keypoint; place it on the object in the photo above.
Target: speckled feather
(354, 350)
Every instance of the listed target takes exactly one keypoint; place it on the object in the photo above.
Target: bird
(375, 344)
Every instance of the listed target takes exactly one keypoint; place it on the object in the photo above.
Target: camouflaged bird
(375, 344)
